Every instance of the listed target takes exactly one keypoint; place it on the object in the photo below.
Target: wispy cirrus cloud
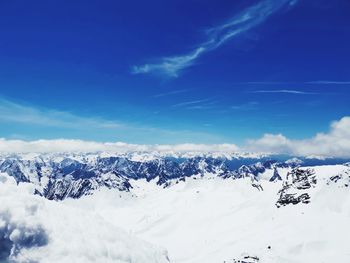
(39, 122)
(284, 91)
(170, 66)
(216, 36)
(327, 82)
(199, 104)
(205, 106)
(315, 82)
(252, 105)
(190, 103)
(19, 113)
(174, 92)
(265, 83)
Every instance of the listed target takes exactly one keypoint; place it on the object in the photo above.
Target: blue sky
(171, 72)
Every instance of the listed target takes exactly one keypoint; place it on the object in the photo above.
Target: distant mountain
(71, 175)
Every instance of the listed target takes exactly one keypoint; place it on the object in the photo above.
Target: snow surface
(201, 220)
(216, 220)
(33, 229)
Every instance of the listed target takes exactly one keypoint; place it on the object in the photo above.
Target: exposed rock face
(73, 175)
(12, 167)
(276, 176)
(244, 259)
(62, 188)
(70, 175)
(342, 179)
(294, 188)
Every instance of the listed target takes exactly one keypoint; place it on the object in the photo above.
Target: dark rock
(293, 189)
(276, 176)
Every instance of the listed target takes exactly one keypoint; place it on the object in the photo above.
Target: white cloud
(320, 82)
(71, 125)
(283, 91)
(170, 66)
(275, 143)
(252, 105)
(64, 145)
(335, 143)
(188, 147)
(14, 112)
(192, 102)
(174, 92)
(326, 82)
(216, 36)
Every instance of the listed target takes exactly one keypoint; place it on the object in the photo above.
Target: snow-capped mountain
(195, 208)
(58, 176)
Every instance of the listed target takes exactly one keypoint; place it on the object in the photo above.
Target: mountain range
(57, 176)
(195, 207)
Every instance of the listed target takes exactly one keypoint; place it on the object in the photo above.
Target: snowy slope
(216, 220)
(33, 229)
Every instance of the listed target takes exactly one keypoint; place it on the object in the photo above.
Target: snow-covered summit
(61, 175)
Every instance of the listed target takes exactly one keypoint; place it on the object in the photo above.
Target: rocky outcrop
(276, 176)
(294, 188)
(244, 259)
(341, 180)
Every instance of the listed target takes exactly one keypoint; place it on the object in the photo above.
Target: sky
(173, 72)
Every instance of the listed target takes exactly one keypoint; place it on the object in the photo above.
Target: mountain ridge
(57, 176)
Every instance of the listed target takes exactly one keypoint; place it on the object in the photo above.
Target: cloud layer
(64, 145)
(216, 36)
(335, 143)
